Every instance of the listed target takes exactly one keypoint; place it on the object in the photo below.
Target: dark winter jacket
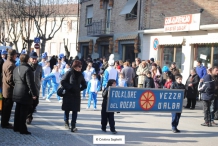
(191, 91)
(73, 82)
(174, 71)
(207, 88)
(1, 64)
(37, 76)
(176, 85)
(24, 89)
(215, 78)
(149, 83)
(105, 96)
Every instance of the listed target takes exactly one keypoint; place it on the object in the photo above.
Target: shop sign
(155, 44)
(188, 22)
(141, 99)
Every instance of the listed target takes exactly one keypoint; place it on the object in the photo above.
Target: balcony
(100, 28)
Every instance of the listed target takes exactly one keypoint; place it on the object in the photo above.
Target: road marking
(56, 126)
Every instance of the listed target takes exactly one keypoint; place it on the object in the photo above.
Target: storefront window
(178, 58)
(85, 51)
(204, 53)
(172, 54)
(215, 56)
(168, 53)
(105, 51)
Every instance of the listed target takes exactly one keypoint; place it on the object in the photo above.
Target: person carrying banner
(107, 116)
(176, 116)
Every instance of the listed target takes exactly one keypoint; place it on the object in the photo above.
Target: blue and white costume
(87, 76)
(46, 82)
(93, 87)
(18, 61)
(44, 56)
(4, 52)
(122, 83)
(110, 72)
(55, 81)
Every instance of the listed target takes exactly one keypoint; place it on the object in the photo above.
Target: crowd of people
(23, 77)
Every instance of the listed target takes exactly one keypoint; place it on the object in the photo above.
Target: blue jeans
(175, 120)
(54, 90)
(45, 83)
(84, 91)
(92, 96)
(213, 108)
(74, 116)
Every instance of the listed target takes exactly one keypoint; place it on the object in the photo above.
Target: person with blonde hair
(141, 72)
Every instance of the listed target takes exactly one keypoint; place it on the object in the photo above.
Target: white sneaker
(48, 100)
(95, 109)
(43, 97)
(87, 107)
(60, 101)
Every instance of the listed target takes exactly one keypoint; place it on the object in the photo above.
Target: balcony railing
(100, 28)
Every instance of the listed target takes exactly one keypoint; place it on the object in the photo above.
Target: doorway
(105, 51)
(85, 52)
(128, 53)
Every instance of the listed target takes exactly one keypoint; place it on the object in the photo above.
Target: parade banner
(122, 99)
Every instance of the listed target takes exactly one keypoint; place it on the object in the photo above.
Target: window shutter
(111, 3)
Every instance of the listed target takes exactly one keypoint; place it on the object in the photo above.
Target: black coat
(191, 91)
(24, 89)
(149, 83)
(73, 82)
(105, 96)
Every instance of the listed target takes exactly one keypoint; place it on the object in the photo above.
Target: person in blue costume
(93, 88)
(44, 58)
(4, 54)
(110, 72)
(55, 81)
(18, 61)
(46, 82)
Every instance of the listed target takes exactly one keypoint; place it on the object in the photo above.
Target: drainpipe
(140, 8)
(77, 27)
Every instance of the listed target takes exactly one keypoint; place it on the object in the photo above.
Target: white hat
(111, 60)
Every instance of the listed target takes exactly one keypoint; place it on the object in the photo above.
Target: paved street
(152, 129)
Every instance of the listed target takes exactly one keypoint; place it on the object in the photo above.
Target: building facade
(169, 39)
(109, 26)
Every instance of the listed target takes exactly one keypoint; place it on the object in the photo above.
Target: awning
(84, 41)
(204, 40)
(128, 7)
(129, 37)
(171, 41)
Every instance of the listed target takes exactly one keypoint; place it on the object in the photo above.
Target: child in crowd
(169, 82)
(176, 116)
(149, 81)
(93, 88)
(121, 81)
(46, 82)
(88, 76)
(107, 116)
(55, 81)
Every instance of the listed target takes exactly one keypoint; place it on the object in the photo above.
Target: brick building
(167, 42)
(109, 26)
(130, 28)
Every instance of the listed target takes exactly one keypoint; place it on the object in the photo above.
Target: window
(62, 49)
(89, 15)
(64, 26)
(74, 25)
(133, 13)
(172, 54)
